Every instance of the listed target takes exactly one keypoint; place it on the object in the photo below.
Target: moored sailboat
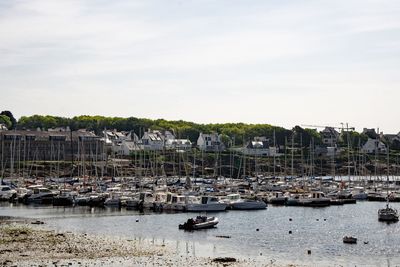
(388, 214)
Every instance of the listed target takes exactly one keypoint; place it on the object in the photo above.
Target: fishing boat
(200, 222)
(316, 199)
(388, 214)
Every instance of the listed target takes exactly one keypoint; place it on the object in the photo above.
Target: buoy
(257, 229)
(324, 219)
(290, 219)
(290, 232)
(309, 251)
(137, 220)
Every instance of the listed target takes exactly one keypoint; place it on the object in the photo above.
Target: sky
(286, 63)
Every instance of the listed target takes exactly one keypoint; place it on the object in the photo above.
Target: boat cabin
(4, 188)
(41, 190)
(233, 197)
(317, 195)
(207, 199)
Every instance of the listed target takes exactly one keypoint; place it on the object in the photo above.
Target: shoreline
(25, 244)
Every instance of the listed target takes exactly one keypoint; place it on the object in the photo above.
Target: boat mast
(387, 175)
(348, 151)
(274, 153)
(292, 155)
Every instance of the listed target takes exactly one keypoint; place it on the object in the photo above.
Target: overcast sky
(281, 62)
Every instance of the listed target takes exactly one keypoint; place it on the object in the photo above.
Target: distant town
(306, 150)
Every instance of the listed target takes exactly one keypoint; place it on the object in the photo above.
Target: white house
(126, 147)
(152, 140)
(178, 144)
(171, 142)
(210, 142)
(115, 138)
(373, 146)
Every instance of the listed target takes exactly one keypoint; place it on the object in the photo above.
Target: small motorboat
(349, 240)
(200, 222)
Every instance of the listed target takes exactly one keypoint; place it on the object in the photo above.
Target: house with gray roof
(210, 142)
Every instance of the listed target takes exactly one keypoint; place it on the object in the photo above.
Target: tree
(6, 121)
(356, 139)
(11, 117)
(306, 136)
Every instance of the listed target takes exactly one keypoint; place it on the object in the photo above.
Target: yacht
(175, 202)
(235, 202)
(206, 203)
(7, 193)
(41, 195)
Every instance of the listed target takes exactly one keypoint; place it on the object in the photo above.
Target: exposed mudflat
(29, 243)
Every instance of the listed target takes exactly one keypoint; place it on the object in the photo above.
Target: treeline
(237, 132)
(233, 134)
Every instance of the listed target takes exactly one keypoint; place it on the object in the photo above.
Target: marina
(200, 133)
(304, 221)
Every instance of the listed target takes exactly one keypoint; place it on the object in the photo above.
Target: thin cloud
(281, 62)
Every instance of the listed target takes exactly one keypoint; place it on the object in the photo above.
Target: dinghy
(200, 222)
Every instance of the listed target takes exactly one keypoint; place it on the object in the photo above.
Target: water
(317, 229)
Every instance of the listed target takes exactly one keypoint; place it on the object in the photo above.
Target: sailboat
(388, 214)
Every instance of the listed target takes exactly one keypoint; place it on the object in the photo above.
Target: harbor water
(279, 234)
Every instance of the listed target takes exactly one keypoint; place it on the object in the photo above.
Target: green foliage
(11, 117)
(306, 136)
(43, 122)
(6, 121)
(355, 139)
(237, 133)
